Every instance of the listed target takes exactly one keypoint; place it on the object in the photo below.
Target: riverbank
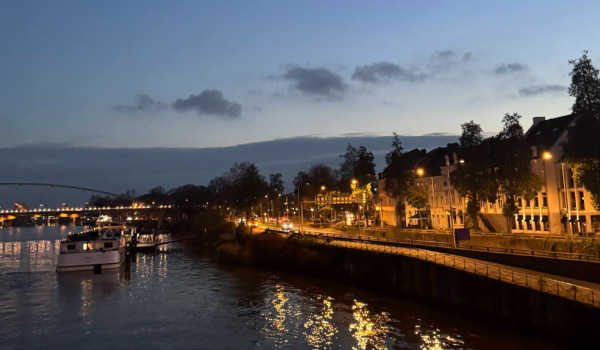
(492, 301)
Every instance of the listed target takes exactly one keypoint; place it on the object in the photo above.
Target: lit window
(88, 246)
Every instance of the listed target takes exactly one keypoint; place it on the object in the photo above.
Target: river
(178, 298)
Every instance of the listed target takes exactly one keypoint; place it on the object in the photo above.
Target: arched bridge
(134, 206)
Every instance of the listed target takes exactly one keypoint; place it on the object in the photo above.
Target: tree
(583, 146)
(242, 185)
(417, 197)
(472, 135)
(349, 163)
(276, 182)
(585, 86)
(512, 169)
(398, 175)
(472, 178)
(365, 164)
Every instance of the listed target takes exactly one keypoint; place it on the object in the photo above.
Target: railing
(507, 251)
(546, 285)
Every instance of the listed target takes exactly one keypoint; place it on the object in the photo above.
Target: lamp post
(301, 207)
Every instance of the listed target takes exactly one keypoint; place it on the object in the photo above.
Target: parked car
(364, 223)
(287, 226)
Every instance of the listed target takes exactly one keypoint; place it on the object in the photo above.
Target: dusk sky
(206, 74)
(110, 73)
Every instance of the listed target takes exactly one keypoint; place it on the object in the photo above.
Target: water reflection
(434, 339)
(369, 331)
(320, 330)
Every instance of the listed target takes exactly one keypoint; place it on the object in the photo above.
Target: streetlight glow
(547, 155)
(420, 171)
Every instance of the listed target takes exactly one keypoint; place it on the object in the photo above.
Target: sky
(213, 74)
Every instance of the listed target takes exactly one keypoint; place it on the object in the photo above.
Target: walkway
(580, 291)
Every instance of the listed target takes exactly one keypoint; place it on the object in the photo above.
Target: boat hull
(87, 261)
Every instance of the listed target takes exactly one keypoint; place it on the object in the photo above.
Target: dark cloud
(467, 56)
(316, 82)
(503, 69)
(385, 71)
(120, 169)
(209, 102)
(144, 103)
(534, 90)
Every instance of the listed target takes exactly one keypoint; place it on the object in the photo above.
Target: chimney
(536, 120)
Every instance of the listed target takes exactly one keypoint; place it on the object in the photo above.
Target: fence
(546, 285)
(508, 251)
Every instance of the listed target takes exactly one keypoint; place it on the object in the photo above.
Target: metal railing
(507, 251)
(546, 285)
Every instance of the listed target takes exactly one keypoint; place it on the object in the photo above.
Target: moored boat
(95, 249)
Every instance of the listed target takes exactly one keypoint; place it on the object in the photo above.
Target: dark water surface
(177, 298)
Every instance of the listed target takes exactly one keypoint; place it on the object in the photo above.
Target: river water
(177, 298)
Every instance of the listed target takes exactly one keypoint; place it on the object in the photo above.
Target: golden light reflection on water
(282, 322)
(320, 330)
(369, 330)
(435, 340)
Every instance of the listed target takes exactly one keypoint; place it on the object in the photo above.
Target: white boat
(146, 240)
(96, 249)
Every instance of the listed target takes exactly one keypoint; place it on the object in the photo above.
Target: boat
(146, 240)
(95, 249)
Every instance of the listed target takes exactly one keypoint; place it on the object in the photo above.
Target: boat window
(108, 245)
(71, 246)
(88, 246)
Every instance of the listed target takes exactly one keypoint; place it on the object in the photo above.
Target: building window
(536, 202)
(491, 205)
(570, 177)
(527, 204)
(581, 201)
(459, 198)
(520, 202)
(544, 200)
(453, 199)
(573, 201)
(500, 200)
(88, 246)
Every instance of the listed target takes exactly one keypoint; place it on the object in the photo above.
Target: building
(386, 205)
(446, 208)
(562, 207)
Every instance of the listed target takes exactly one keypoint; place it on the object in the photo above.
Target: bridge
(74, 211)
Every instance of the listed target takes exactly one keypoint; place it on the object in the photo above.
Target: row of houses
(562, 206)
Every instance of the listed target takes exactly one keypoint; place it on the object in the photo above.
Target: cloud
(385, 71)
(254, 92)
(534, 90)
(120, 169)
(503, 69)
(144, 103)
(209, 102)
(316, 82)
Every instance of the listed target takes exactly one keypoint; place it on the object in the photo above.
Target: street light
(547, 155)
(322, 188)
(420, 171)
